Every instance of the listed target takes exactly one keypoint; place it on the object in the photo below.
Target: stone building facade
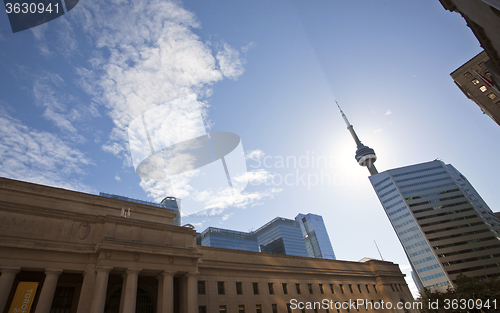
(94, 254)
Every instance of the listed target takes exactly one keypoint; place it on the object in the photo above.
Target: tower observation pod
(365, 156)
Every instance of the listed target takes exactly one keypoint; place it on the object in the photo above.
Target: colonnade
(95, 285)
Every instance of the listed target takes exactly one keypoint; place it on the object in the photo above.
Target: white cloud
(118, 178)
(41, 43)
(377, 130)
(230, 63)
(39, 157)
(254, 177)
(388, 112)
(255, 154)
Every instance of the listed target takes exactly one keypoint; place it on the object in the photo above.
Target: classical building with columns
(87, 253)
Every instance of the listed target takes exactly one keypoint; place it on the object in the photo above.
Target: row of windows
(397, 211)
(435, 200)
(428, 188)
(416, 245)
(390, 191)
(418, 177)
(420, 252)
(450, 220)
(391, 198)
(461, 243)
(452, 228)
(404, 224)
(419, 171)
(431, 194)
(425, 182)
(221, 289)
(412, 237)
(468, 251)
(474, 268)
(433, 276)
(393, 205)
(423, 260)
(445, 213)
(489, 256)
(439, 207)
(402, 216)
(381, 182)
(385, 187)
(408, 230)
(460, 235)
(428, 268)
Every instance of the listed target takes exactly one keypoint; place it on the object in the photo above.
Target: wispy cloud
(255, 154)
(388, 112)
(39, 157)
(230, 62)
(377, 130)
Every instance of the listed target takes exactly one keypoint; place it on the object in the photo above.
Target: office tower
(443, 224)
(167, 203)
(476, 81)
(305, 236)
(315, 236)
(228, 239)
(281, 236)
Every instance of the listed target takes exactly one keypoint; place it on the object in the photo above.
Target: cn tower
(364, 155)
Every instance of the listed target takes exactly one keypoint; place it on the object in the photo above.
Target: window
(63, 298)
(288, 308)
(239, 288)
(498, 103)
(331, 288)
(220, 288)
(375, 288)
(467, 75)
(222, 309)
(483, 88)
(367, 289)
(350, 288)
(321, 289)
(201, 287)
(258, 308)
(285, 288)
(341, 288)
(241, 308)
(309, 286)
(392, 287)
(359, 288)
(271, 288)
(475, 81)
(274, 307)
(255, 288)
(492, 96)
(297, 287)
(202, 309)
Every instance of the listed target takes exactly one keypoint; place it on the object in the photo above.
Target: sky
(72, 89)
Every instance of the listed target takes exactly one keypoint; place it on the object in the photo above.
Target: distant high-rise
(443, 224)
(167, 203)
(305, 236)
(315, 236)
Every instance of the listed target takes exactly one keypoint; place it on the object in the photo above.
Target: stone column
(122, 295)
(192, 292)
(129, 303)
(166, 292)
(48, 290)
(100, 289)
(6, 282)
(86, 292)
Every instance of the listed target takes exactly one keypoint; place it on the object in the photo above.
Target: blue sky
(268, 71)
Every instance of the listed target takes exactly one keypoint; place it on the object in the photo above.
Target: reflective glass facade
(443, 224)
(315, 236)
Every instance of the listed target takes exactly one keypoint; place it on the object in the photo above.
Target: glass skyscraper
(305, 236)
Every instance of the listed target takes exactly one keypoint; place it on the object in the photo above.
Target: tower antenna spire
(364, 155)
